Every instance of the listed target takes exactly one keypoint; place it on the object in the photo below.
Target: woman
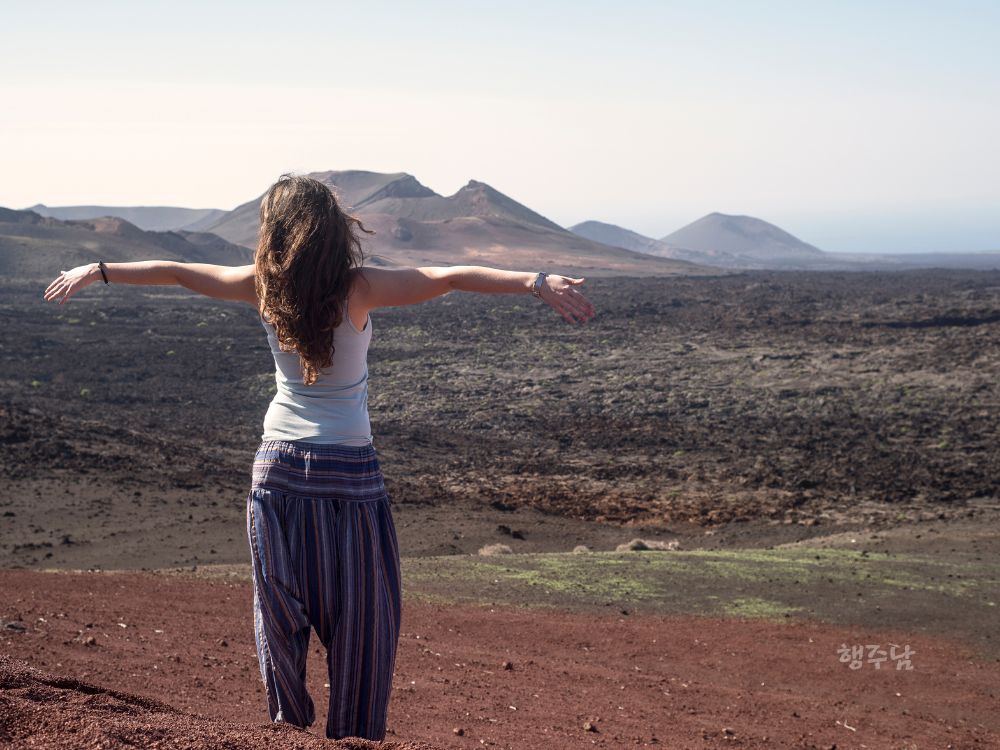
(319, 523)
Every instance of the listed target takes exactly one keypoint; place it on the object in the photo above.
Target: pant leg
(281, 622)
(363, 605)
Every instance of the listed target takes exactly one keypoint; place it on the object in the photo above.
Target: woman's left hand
(560, 293)
(70, 282)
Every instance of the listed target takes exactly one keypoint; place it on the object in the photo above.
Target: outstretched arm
(388, 287)
(221, 282)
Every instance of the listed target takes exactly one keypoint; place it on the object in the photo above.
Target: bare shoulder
(360, 287)
(363, 292)
(358, 297)
(241, 279)
(387, 287)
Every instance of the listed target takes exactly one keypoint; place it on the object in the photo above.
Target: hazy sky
(858, 126)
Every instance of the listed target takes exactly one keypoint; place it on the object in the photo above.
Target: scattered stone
(508, 665)
(17, 627)
(589, 727)
(513, 533)
(496, 549)
(223, 643)
(581, 549)
(90, 641)
(459, 731)
(639, 545)
(636, 545)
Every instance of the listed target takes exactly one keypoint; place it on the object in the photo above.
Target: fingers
(573, 306)
(576, 301)
(57, 283)
(53, 283)
(571, 311)
(577, 308)
(61, 290)
(583, 302)
(579, 303)
(557, 305)
(54, 289)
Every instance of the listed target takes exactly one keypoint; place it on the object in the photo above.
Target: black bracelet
(100, 267)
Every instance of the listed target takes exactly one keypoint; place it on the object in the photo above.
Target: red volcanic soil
(44, 710)
(175, 661)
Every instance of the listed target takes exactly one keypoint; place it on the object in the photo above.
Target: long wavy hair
(306, 251)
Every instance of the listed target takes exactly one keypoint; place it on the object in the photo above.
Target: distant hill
(153, 218)
(476, 225)
(616, 236)
(737, 242)
(37, 247)
(611, 234)
(743, 242)
(397, 196)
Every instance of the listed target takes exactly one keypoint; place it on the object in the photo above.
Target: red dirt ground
(43, 710)
(185, 646)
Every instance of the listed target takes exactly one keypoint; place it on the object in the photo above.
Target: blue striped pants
(325, 556)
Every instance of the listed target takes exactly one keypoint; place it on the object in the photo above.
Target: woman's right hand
(70, 282)
(559, 292)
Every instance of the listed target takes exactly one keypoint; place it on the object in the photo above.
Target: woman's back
(334, 409)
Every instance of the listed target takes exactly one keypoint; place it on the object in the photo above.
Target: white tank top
(334, 409)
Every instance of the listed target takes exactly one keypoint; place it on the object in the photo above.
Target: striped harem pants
(325, 556)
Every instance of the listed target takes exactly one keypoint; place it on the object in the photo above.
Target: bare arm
(384, 287)
(220, 282)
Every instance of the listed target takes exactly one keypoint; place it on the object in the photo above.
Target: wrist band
(536, 287)
(100, 267)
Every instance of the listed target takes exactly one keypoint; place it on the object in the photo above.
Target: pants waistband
(345, 472)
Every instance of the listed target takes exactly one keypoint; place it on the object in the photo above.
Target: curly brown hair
(306, 251)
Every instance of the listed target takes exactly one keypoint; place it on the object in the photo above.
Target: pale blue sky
(859, 126)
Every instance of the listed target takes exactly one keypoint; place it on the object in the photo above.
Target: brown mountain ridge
(35, 247)
(413, 226)
(477, 225)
